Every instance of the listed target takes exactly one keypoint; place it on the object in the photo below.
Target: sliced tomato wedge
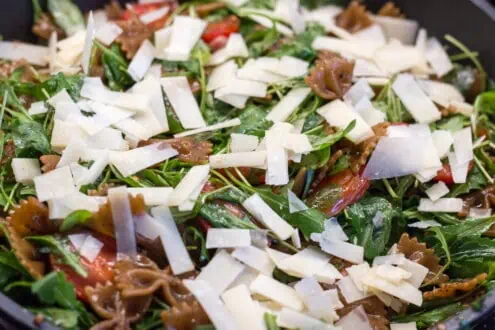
(99, 271)
(337, 192)
(445, 174)
(222, 28)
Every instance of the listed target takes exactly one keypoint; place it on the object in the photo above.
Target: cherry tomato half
(222, 28)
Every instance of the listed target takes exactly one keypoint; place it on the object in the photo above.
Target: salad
(244, 164)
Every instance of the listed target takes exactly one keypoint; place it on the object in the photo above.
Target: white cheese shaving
(276, 291)
(257, 207)
(247, 314)
(133, 161)
(243, 143)
(153, 196)
(151, 87)
(442, 140)
(357, 48)
(186, 31)
(368, 112)
(395, 58)
(87, 176)
(308, 287)
(77, 240)
(73, 153)
(154, 15)
(235, 47)
(438, 58)
(134, 130)
(88, 43)
(123, 221)
(146, 226)
(162, 40)
(253, 70)
(404, 290)
(392, 274)
(220, 238)
(350, 252)
(403, 326)
(365, 68)
(477, 213)
(176, 251)
(247, 277)
(361, 89)
(437, 191)
(25, 169)
(226, 124)
(37, 108)
(459, 170)
(142, 60)
(288, 104)
(219, 315)
(356, 319)
(220, 272)
(238, 159)
(291, 319)
(424, 224)
(462, 107)
(237, 101)
(307, 262)
(255, 258)
(339, 114)
(268, 23)
(54, 184)
(277, 156)
(357, 274)
(441, 93)
(15, 51)
(221, 75)
(447, 205)
(296, 239)
(402, 29)
(350, 291)
(136, 102)
(373, 33)
(187, 186)
(183, 101)
(108, 33)
(463, 145)
(295, 204)
(242, 87)
(90, 248)
(333, 231)
(417, 103)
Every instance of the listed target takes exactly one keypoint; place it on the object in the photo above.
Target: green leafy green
(76, 218)
(60, 248)
(253, 121)
(220, 217)
(300, 46)
(426, 319)
(283, 277)
(472, 256)
(475, 181)
(466, 229)
(313, 4)
(323, 141)
(371, 218)
(65, 318)
(438, 234)
(391, 105)
(29, 138)
(196, 244)
(115, 66)
(67, 15)
(260, 41)
(271, 321)
(37, 11)
(453, 124)
(72, 84)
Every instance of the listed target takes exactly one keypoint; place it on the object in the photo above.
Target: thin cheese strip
(88, 43)
(186, 31)
(188, 184)
(448, 205)
(246, 313)
(125, 100)
(16, 51)
(108, 33)
(276, 291)
(227, 238)
(54, 184)
(220, 272)
(255, 258)
(288, 104)
(226, 124)
(239, 159)
(153, 196)
(142, 60)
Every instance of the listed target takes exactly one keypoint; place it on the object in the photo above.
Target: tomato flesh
(99, 271)
(445, 174)
(222, 28)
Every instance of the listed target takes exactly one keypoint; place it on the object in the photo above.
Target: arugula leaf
(472, 256)
(29, 138)
(315, 159)
(300, 46)
(485, 103)
(313, 4)
(73, 85)
(10, 269)
(67, 15)
(342, 163)
(37, 11)
(453, 124)
(260, 41)
(426, 319)
(466, 229)
(374, 237)
(391, 105)
(220, 217)
(60, 248)
(8, 91)
(253, 121)
(115, 66)
(475, 181)
(196, 243)
(76, 218)
(323, 141)
(271, 321)
(65, 318)
(437, 234)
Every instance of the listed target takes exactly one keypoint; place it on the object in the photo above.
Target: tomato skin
(445, 174)
(99, 271)
(220, 28)
(352, 188)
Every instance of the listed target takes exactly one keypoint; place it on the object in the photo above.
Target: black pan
(471, 21)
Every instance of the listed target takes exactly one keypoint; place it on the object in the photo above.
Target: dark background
(470, 21)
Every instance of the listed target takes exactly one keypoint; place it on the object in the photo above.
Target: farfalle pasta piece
(44, 27)
(30, 217)
(185, 316)
(331, 77)
(390, 10)
(374, 307)
(450, 289)
(49, 162)
(190, 150)
(135, 32)
(354, 18)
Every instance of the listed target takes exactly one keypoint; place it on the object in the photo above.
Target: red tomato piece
(99, 271)
(140, 9)
(445, 174)
(220, 28)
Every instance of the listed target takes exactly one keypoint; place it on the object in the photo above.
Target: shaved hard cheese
(134, 130)
(108, 33)
(463, 145)
(123, 223)
(92, 174)
(305, 263)
(243, 88)
(350, 252)
(322, 306)
(15, 51)
(418, 272)
(186, 187)
(90, 248)
(182, 100)
(142, 60)
(219, 315)
(73, 153)
(459, 171)
(133, 161)
(442, 140)
(220, 238)
(88, 43)
(462, 107)
(257, 207)
(146, 226)
(403, 326)
(107, 138)
(295, 204)
(77, 240)
(350, 291)
(151, 87)
(136, 102)
(392, 274)
(54, 184)
(438, 58)
(333, 231)
(296, 239)
(246, 277)
(402, 29)
(288, 11)
(437, 191)
(357, 274)
(356, 319)
(291, 319)
(357, 48)
(395, 58)
(297, 143)
(235, 47)
(417, 103)
(288, 104)
(340, 115)
(37, 108)
(402, 290)
(162, 40)
(237, 101)
(186, 31)
(478, 213)
(441, 93)
(277, 159)
(253, 70)
(259, 238)
(365, 68)
(368, 112)
(221, 75)
(373, 33)
(154, 15)
(220, 272)
(308, 287)
(238, 159)
(276, 291)
(424, 224)
(226, 124)
(277, 256)
(25, 169)
(153, 196)
(247, 314)
(190, 202)
(291, 67)
(172, 242)
(269, 23)
(243, 142)
(255, 258)
(448, 205)
(361, 89)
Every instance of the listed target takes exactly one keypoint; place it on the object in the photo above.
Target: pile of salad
(244, 165)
